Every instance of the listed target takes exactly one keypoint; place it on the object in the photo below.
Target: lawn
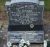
(2, 2)
(47, 4)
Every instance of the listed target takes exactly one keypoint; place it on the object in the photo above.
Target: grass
(47, 4)
(2, 2)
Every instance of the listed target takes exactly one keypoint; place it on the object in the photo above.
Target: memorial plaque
(24, 14)
(33, 37)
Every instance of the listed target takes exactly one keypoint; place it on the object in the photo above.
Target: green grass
(47, 4)
(2, 2)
